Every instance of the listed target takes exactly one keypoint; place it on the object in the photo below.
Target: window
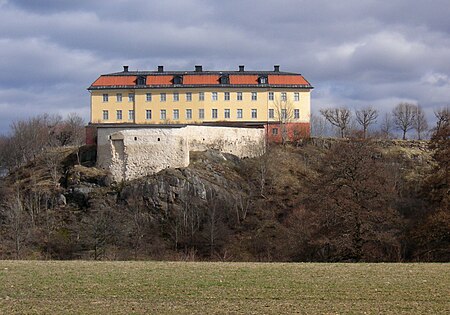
(130, 97)
(239, 113)
(163, 97)
(296, 113)
(283, 114)
(201, 96)
(270, 96)
(148, 97)
(178, 79)
(119, 114)
(275, 131)
(254, 113)
(226, 96)
(105, 97)
(201, 113)
(119, 97)
(176, 97)
(131, 114)
(283, 96)
(262, 80)
(214, 113)
(254, 96)
(141, 80)
(148, 114)
(176, 114)
(162, 114)
(188, 113)
(225, 79)
(214, 96)
(227, 113)
(296, 96)
(189, 96)
(239, 96)
(105, 115)
(271, 113)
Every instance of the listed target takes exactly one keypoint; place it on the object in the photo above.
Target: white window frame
(201, 96)
(296, 113)
(271, 113)
(176, 96)
(148, 97)
(226, 96)
(283, 96)
(119, 97)
(226, 113)
(105, 98)
(271, 96)
(239, 113)
(254, 96)
(188, 96)
(214, 96)
(162, 97)
(130, 97)
(296, 97)
(188, 114)
(214, 113)
(148, 114)
(105, 114)
(119, 115)
(130, 114)
(201, 113)
(239, 96)
(162, 114)
(254, 113)
(176, 114)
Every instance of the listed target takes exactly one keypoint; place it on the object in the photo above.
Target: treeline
(366, 123)
(29, 138)
(351, 200)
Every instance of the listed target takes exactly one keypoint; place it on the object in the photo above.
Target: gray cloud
(354, 52)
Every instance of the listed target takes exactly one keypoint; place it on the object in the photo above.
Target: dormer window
(141, 80)
(262, 80)
(225, 79)
(178, 79)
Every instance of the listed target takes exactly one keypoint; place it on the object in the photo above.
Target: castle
(148, 120)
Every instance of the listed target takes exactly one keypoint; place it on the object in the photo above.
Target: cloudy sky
(354, 52)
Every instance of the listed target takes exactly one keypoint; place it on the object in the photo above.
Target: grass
(80, 287)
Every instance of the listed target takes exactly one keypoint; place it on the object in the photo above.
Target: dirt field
(79, 287)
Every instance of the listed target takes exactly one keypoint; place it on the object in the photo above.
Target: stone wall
(135, 152)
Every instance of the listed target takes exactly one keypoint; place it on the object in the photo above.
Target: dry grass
(78, 287)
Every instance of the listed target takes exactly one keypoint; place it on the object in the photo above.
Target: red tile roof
(159, 79)
(287, 79)
(191, 78)
(201, 79)
(244, 79)
(115, 80)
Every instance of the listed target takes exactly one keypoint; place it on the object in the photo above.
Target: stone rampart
(131, 153)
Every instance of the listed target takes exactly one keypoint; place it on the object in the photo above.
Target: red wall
(295, 131)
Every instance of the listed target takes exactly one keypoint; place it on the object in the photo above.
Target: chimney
(198, 68)
(125, 68)
(241, 68)
(160, 68)
(276, 68)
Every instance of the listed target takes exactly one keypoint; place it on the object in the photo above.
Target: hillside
(283, 206)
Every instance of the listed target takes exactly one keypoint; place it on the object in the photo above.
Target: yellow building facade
(197, 97)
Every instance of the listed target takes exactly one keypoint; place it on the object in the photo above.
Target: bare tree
(386, 126)
(420, 122)
(338, 117)
(319, 127)
(284, 114)
(366, 117)
(404, 117)
(443, 118)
